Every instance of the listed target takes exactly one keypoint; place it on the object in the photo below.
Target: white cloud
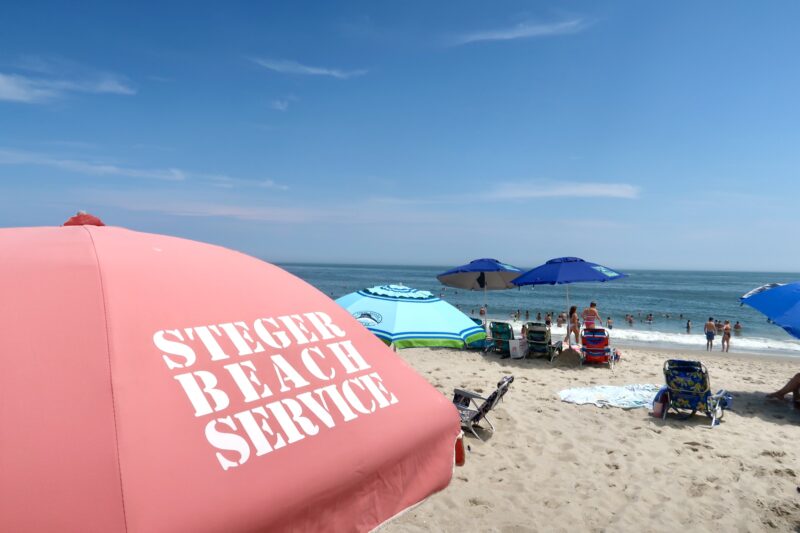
(94, 168)
(279, 105)
(26, 89)
(18, 157)
(521, 191)
(525, 30)
(287, 66)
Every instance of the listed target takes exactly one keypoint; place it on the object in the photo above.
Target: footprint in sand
(773, 453)
(784, 472)
(479, 502)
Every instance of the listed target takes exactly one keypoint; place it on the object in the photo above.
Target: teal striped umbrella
(407, 317)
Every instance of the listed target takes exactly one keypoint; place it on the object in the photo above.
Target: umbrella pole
(486, 316)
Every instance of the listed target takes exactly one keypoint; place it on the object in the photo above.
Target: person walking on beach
(710, 329)
(726, 336)
(574, 325)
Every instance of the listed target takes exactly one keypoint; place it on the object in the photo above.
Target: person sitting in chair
(793, 386)
(591, 316)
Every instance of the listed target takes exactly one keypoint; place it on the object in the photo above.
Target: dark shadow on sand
(755, 404)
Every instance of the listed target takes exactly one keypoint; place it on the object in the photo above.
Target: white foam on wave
(738, 343)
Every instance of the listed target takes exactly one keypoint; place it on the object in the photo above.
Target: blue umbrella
(779, 302)
(563, 270)
(409, 317)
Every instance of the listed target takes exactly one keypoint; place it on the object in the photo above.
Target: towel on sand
(626, 396)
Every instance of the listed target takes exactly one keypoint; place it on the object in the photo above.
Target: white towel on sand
(625, 396)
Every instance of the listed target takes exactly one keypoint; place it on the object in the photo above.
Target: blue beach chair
(501, 333)
(689, 391)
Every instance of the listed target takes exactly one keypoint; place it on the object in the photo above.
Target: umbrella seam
(110, 375)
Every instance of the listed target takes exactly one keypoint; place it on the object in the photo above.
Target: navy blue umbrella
(481, 275)
(562, 270)
(780, 303)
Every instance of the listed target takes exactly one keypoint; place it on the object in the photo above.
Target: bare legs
(793, 386)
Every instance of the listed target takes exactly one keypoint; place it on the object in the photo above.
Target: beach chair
(595, 347)
(689, 391)
(472, 414)
(484, 344)
(501, 333)
(540, 343)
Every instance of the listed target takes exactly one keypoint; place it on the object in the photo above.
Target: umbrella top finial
(82, 218)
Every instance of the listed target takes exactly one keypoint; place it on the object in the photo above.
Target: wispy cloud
(522, 191)
(95, 168)
(279, 105)
(47, 80)
(510, 191)
(287, 66)
(19, 157)
(525, 30)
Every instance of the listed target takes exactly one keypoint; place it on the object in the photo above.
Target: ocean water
(673, 297)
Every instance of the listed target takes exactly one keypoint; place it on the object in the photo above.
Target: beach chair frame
(465, 400)
(539, 340)
(499, 339)
(689, 391)
(606, 355)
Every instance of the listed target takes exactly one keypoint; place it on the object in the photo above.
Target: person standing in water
(726, 336)
(710, 329)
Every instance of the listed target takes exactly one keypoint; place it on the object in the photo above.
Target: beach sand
(554, 466)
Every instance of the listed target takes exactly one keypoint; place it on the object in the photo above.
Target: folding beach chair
(501, 333)
(689, 391)
(472, 417)
(540, 342)
(595, 347)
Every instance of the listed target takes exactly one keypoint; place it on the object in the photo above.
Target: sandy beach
(554, 466)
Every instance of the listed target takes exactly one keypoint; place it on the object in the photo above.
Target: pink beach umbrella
(151, 383)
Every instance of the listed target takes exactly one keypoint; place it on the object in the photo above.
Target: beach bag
(661, 403)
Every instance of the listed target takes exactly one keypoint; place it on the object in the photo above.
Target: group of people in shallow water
(712, 328)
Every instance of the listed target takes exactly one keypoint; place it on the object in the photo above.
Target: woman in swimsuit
(726, 336)
(573, 325)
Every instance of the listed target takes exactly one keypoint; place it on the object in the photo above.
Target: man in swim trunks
(710, 329)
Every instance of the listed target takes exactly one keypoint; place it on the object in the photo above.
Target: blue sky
(636, 134)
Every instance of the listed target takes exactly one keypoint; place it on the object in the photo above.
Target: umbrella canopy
(779, 302)
(151, 383)
(480, 275)
(409, 317)
(567, 270)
